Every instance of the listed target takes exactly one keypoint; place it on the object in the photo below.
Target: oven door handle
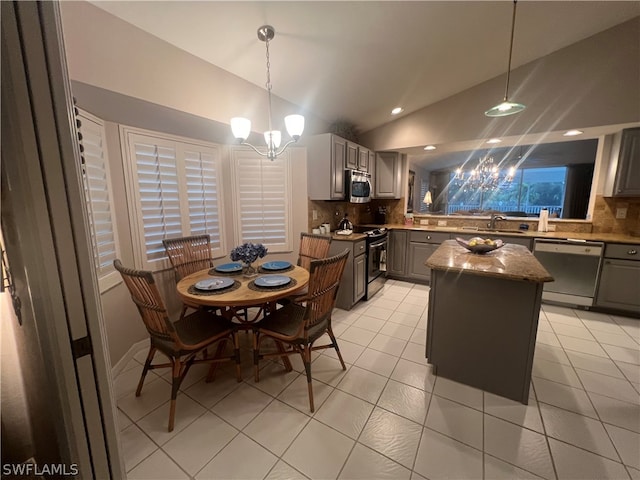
(378, 244)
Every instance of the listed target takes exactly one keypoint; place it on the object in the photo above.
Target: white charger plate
(215, 283)
(272, 280)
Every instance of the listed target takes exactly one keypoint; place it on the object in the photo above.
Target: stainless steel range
(376, 261)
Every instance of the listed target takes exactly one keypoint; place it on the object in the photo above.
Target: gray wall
(590, 83)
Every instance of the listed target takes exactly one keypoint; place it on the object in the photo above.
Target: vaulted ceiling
(358, 60)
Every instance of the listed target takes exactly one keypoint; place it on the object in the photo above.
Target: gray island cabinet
(483, 317)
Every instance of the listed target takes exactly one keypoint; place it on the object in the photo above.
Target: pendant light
(506, 107)
(241, 127)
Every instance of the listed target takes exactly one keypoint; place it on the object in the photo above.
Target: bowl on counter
(480, 245)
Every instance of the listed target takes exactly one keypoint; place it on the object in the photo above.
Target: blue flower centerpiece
(248, 253)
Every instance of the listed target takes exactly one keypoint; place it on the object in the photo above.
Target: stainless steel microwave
(358, 186)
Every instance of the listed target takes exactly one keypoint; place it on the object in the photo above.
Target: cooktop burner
(376, 232)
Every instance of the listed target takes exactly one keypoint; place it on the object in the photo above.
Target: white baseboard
(135, 348)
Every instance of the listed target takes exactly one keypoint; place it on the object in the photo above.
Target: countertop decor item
(480, 245)
(241, 127)
(506, 107)
(247, 253)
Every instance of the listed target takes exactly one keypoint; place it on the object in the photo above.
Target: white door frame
(49, 231)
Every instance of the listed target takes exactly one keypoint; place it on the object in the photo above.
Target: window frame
(239, 153)
(128, 135)
(108, 277)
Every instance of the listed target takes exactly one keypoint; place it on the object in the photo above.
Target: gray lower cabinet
(354, 279)
(397, 253)
(421, 246)
(619, 284)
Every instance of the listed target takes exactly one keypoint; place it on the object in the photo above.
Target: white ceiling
(358, 60)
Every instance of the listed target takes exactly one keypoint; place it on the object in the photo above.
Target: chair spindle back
(188, 254)
(312, 247)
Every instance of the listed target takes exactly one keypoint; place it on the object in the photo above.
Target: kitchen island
(483, 317)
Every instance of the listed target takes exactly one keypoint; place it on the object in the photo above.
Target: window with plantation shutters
(262, 192)
(97, 188)
(202, 175)
(174, 190)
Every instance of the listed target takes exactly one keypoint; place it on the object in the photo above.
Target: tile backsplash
(604, 215)
(332, 212)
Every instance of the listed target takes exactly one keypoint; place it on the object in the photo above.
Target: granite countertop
(354, 237)
(511, 262)
(600, 237)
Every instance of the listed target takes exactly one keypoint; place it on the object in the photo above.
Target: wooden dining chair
(312, 247)
(188, 254)
(298, 325)
(181, 341)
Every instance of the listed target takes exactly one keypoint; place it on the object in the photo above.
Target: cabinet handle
(428, 237)
(633, 251)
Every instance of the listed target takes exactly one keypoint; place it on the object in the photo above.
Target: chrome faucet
(494, 218)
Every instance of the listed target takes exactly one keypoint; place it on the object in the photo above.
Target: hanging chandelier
(241, 127)
(486, 176)
(506, 107)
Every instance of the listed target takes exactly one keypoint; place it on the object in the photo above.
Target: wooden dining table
(243, 293)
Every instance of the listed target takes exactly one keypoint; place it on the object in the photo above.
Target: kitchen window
(99, 198)
(174, 189)
(262, 199)
(531, 190)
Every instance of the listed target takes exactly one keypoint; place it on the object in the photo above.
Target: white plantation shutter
(99, 199)
(202, 169)
(174, 190)
(262, 200)
(159, 198)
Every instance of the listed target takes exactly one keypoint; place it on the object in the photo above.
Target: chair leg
(236, 352)
(145, 369)
(306, 358)
(256, 355)
(175, 386)
(214, 365)
(334, 342)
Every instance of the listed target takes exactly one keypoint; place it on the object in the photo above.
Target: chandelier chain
(268, 84)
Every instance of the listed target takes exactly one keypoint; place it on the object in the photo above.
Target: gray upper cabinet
(627, 183)
(352, 156)
(623, 175)
(326, 157)
(388, 177)
(363, 159)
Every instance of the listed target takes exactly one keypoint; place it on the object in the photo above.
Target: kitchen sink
(495, 230)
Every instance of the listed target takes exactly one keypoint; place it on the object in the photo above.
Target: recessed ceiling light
(430, 147)
(572, 133)
(397, 110)
(494, 140)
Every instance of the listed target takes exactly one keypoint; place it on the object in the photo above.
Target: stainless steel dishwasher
(574, 264)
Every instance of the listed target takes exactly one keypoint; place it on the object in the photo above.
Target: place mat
(256, 288)
(192, 290)
(215, 273)
(282, 270)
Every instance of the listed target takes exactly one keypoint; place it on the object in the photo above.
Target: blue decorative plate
(215, 283)
(276, 265)
(229, 267)
(272, 281)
